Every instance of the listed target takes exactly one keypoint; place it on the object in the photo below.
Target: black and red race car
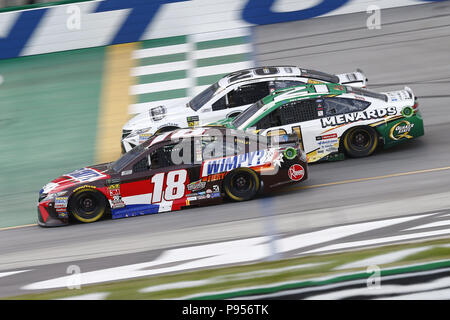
(173, 170)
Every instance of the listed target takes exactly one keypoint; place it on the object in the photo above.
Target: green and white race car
(333, 119)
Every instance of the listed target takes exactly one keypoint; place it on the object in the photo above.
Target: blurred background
(73, 72)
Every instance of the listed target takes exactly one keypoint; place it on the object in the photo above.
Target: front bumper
(48, 217)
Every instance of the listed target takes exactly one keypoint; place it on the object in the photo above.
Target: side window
(271, 120)
(220, 104)
(334, 106)
(141, 165)
(247, 94)
(162, 157)
(287, 84)
(298, 111)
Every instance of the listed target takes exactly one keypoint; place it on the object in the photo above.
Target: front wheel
(241, 184)
(360, 142)
(87, 205)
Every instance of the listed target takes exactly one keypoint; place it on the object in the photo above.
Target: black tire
(241, 184)
(360, 142)
(87, 205)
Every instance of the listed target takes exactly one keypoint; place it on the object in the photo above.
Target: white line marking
(160, 86)
(432, 225)
(159, 68)
(160, 51)
(223, 51)
(334, 233)
(383, 258)
(385, 289)
(89, 296)
(227, 278)
(223, 34)
(7, 274)
(442, 294)
(378, 241)
(222, 68)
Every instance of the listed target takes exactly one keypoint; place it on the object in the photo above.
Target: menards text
(357, 116)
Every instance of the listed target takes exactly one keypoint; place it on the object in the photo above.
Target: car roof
(204, 131)
(258, 73)
(306, 91)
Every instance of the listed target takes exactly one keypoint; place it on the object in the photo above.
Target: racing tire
(241, 184)
(87, 205)
(360, 142)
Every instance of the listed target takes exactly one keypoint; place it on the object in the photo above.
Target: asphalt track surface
(412, 48)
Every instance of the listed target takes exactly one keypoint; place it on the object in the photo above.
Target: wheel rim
(87, 204)
(241, 182)
(360, 140)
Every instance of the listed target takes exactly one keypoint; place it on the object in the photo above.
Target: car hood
(156, 116)
(77, 177)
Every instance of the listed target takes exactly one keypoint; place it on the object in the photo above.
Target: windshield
(244, 116)
(313, 74)
(203, 97)
(120, 163)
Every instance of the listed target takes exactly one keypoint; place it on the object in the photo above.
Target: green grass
(129, 289)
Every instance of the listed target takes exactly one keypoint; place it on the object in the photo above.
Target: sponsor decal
(144, 137)
(327, 136)
(126, 172)
(407, 112)
(61, 205)
(116, 197)
(215, 195)
(401, 130)
(216, 188)
(357, 116)
(85, 187)
(197, 185)
(296, 172)
(49, 187)
(310, 81)
(193, 121)
(85, 175)
(251, 159)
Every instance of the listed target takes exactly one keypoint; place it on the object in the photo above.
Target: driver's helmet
(272, 87)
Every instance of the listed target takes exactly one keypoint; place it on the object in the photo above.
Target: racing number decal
(175, 185)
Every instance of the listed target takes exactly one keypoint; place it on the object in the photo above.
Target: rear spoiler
(410, 92)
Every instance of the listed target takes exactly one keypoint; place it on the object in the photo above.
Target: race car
(332, 120)
(226, 98)
(174, 170)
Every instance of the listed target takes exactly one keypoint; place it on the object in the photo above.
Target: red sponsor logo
(329, 136)
(296, 172)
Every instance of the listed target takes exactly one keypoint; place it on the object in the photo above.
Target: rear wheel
(87, 205)
(241, 184)
(360, 142)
